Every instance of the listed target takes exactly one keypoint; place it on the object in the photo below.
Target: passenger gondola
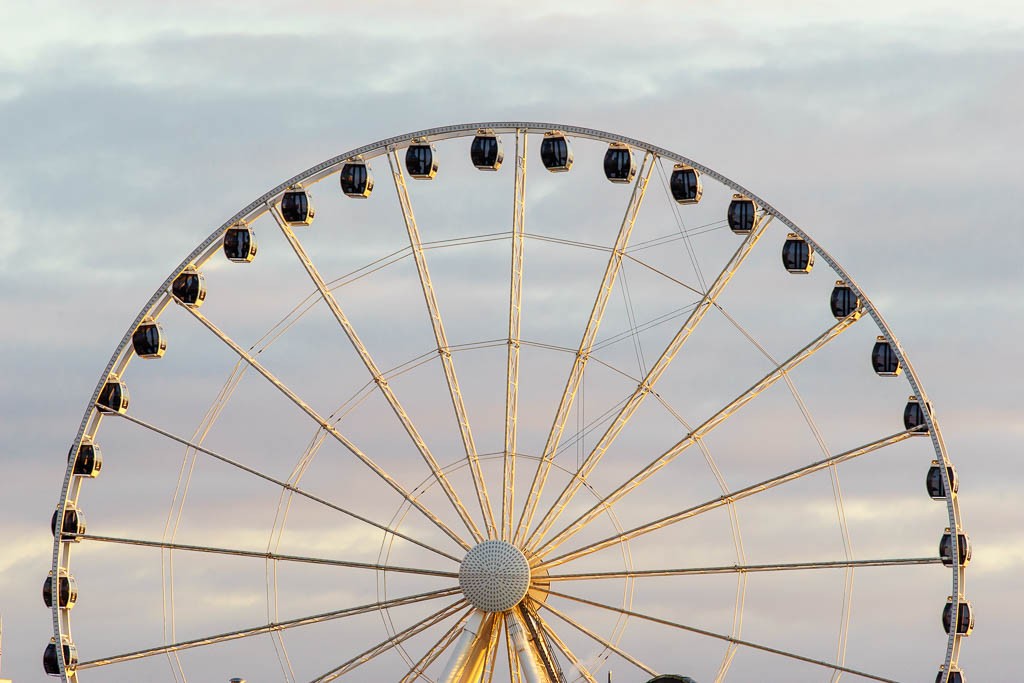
(913, 416)
(844, 301)
(240, 243)
(556, 152)
(797, 255)
(963, 548)
(685, 184)
(671, 678)
(619, 164)
(89, 459)
(67, 591)
(936, 485)
(72, 525)
(113, 396)
(148, 340)
(742, 214)
(189, 287)
(356, 178)
(421, 160)
(486, 152)
(50, 664)
(954, 676)
(297, 207)
(964, 617)
(884, 358)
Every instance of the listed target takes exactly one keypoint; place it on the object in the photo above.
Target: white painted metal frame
(71, 486)
(444, 351)
(572, 384)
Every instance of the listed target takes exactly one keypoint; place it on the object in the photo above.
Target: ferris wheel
(490, 426)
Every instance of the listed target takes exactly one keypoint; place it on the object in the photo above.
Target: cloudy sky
(889, 131)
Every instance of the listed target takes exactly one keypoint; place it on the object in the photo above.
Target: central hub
(494, 576)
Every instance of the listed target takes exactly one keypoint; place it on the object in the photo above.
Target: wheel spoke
(515, 309)
(267, 628)
(572, 384)
(749, 568)
(376, 374)
(419, 668)
(730, 498)
(709, 425)
(389, 643)
(329, 428)
(649, 381)
(443, 349)
(282, 484)
(266, 555)
(593, 636)
(728, 639)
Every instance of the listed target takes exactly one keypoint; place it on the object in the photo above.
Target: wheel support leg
(470, 653)
(527, 653)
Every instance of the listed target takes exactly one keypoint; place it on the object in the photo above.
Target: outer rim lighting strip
(119, 360)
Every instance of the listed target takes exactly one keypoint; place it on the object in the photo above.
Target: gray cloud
(132, 132)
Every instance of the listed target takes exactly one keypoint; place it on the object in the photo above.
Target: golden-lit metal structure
(445, 353)
(647, 384)
(523, 543)
(375, 373)
(572, 385)
(696, 435)
(515, 309)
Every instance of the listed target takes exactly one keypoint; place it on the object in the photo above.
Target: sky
(888, 131)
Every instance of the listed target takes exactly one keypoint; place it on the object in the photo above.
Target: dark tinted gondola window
(418, 160)
(231, 243)
(240, 244)
(484, 152)
(50, 665)
(741, 215)
(355, 180)
(844, 301)
(884, 359)
(71, 524)
(113, 396)
(188, 288)
(936, 486)
(913, 416)
(683, 184)
(295, 207)
(554, 153)
(617, 163)
(946, 549)
(89, 460)
(67, 592)
(963, 617)
(147, 340)
(796, 255)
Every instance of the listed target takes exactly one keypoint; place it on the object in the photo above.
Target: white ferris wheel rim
(208, 247)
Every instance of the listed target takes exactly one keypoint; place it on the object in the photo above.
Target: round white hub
(494, 576)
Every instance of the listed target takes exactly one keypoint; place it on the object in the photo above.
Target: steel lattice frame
(503, 525)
